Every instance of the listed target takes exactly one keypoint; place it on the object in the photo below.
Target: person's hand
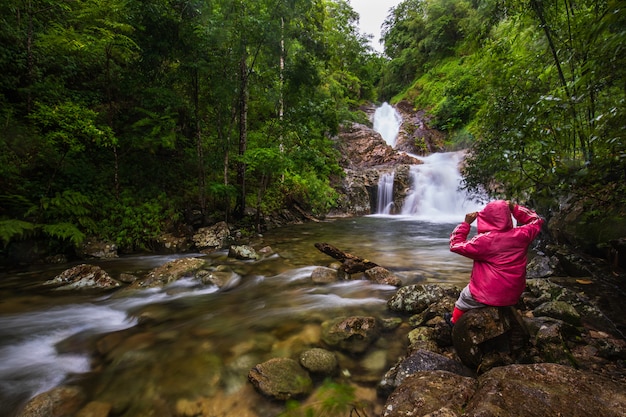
(511, 205)
(470, 217)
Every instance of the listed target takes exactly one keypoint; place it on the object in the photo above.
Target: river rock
(489, 336)
(352, 334)
(319, 361)
(171, 243)
(222, 277)
(539, 291)
(540, 267)
(382, 276)
(324, 275)
(281, 379)
(545, 389)
(212, 237)
(558, 310)
(82, 277)
(95, 248)
(430, 393)
(243, 252)
(170, 272)
(420, 360)
(416, 298)
(58, 402)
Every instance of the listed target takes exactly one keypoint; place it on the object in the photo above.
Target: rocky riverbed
(556, 353)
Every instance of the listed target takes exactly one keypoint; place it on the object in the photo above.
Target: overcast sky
(372, 15)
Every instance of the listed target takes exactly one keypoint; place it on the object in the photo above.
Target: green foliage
(134, 225)
(14, 229)
(331, 399)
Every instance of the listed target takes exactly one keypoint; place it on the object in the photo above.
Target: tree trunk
(351, 264)
(243, 136)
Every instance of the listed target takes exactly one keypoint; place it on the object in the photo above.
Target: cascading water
(385, 193)
(435, 194)
(387, 122)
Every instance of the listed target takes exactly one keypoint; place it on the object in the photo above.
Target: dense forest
(123, 118)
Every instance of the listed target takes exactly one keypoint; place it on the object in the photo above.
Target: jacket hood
(495, 217)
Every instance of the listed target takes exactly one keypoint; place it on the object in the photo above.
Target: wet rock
(420, 360)
(438, 309)
(319, 361)
(243, 252)
(388, 324)
(224, 278)
(383, 276)
(353, 334)
(422, 338)
(170, 272)
(430, 393)
(58, 402)
(82, 277)
(540, 267)
(414, 299)
(558, 310)
(94, 248)
(213, 237)
(361, 147)
(489, 336)
(545, 390)
(324, 275)
(281, 378)
(171, 243)
(540, 291)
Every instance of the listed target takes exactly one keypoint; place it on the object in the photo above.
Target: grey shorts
(466, 301)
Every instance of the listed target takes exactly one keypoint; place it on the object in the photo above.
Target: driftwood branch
(351, 264)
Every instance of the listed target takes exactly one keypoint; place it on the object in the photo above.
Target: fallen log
(350, 264)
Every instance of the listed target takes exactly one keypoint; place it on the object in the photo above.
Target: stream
(189, 340)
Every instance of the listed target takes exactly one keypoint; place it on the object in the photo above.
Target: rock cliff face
(365, 156)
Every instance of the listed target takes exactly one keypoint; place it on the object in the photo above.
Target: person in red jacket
(499, 251)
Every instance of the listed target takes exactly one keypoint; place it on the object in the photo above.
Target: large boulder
(489, 336)
(83, 277)
(170, 272)
(546, 389)
(414, 299)
(212, 237)
(430, 393)
(418, 361)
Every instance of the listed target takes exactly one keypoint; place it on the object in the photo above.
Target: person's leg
(465, 302)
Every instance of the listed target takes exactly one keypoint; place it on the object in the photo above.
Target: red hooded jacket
(499, 252)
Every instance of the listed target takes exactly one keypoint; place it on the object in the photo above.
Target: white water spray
(435, 193)
(387, 122)
(385, 193)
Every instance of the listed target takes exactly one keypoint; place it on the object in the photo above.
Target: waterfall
(387, 122)
(385, 193)
(435, 195)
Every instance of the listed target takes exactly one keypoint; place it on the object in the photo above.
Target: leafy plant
(332, 399)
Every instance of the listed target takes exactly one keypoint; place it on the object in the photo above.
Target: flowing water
(190, 340)
(151, 349)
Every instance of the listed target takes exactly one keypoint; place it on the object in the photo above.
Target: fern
(64, 231)
(12, 229)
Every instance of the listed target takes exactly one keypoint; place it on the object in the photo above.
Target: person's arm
(458, 239)
(527, 219)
